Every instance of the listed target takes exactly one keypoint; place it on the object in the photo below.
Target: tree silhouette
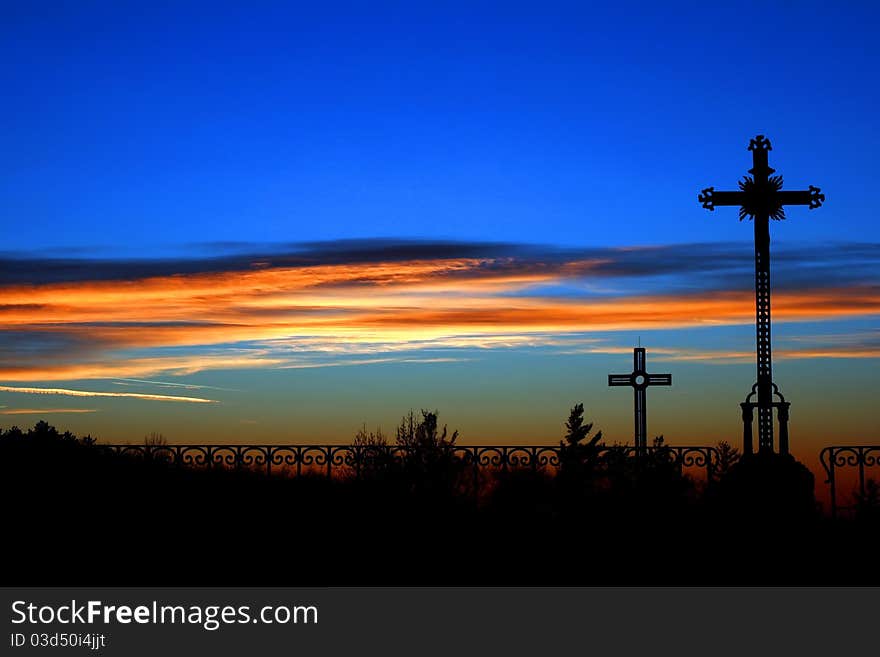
(728, 456)
(578, 462)
(576, 455)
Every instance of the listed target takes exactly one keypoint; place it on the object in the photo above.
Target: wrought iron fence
(331, 460)
(860, 457)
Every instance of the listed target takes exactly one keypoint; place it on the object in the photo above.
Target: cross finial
(760, 143)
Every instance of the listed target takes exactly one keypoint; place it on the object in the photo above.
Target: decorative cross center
(639, 380)
(761, 194)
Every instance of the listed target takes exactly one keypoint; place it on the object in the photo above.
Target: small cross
(639, 379)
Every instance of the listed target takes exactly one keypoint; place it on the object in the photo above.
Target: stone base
(768, 487)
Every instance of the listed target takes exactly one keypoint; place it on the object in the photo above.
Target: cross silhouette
(760, 197)
(639, 379)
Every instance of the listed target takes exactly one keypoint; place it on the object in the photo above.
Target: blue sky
(145, 127)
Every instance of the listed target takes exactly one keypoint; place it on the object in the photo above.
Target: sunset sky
(275, 223)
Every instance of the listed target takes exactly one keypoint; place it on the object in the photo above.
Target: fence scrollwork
(330, 460)
(839, 457)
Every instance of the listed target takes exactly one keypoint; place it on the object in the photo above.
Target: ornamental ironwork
(837, 460)
(353, 460)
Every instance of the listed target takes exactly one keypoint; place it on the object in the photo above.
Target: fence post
(833, 486)
(710, 467)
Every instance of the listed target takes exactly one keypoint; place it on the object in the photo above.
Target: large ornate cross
(760, 197)
(639, 379)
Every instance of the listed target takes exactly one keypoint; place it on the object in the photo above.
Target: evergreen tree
(578, 454)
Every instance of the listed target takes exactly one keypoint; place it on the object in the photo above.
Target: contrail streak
(45, 411)
(189, 386)
(89, 393)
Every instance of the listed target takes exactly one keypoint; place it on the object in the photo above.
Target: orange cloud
(345, 308)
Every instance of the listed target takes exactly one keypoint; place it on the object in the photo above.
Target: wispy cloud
(171, 384)
(792, 350)
(45, 411)
(90, 393)
(368, 361)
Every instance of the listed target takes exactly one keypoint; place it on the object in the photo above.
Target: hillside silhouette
(78, 514)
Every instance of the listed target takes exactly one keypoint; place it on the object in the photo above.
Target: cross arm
(811, 197)
(619, 380)
(710, 198)
(659, 379)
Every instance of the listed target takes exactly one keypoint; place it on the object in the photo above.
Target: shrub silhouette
(648, 485)
(867, 503)
(428, 460)
(421, 461)
(373, 456)
(155, 439)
